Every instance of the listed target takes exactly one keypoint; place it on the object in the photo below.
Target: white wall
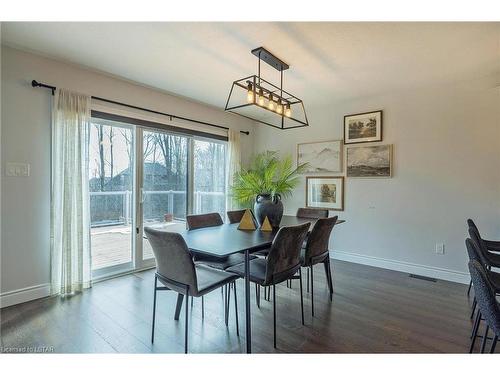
(25, 128)
(446, 169)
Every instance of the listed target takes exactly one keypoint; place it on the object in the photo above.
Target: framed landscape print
(363, 127)
(325, 192)
(321, 156)
(369, 161)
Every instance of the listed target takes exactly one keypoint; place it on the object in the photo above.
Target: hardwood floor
(373, 311)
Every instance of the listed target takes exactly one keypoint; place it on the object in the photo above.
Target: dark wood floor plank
(373, 311)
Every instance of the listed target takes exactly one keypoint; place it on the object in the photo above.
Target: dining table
(224, 240)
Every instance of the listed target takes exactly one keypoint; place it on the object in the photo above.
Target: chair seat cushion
(257, 270)
(493, 259)
(495, 280)
(218, 262)
(262, 253)
(210, 279)
(307, 262)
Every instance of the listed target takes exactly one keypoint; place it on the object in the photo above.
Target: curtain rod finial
(34, 83)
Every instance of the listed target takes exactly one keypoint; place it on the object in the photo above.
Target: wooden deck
(112, 246)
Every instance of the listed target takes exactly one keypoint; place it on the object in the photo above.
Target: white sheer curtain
(233, 165)
(70, 234)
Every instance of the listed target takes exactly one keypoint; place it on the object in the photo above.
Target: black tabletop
(227, 239)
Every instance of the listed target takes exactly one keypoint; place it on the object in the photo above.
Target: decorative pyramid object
(266, 225)
(247, 221)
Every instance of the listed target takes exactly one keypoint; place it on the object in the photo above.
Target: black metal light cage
(255, 83)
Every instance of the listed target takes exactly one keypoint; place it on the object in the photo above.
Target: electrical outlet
(440, 248)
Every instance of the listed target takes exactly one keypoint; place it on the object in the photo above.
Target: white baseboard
(24, 295)
(417, 269)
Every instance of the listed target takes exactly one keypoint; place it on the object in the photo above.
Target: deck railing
(115, 207)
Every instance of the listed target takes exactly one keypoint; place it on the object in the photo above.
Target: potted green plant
(268, 180)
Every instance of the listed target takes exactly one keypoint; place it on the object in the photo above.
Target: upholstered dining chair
(473, 252)
(487, 259)
(490, 245)
(176, 271)
(235, 216)
(312, 213)
(213, 219)
(281, 264)
(487, 303)
(316, 251)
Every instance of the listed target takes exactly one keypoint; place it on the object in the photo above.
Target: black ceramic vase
(270, 206)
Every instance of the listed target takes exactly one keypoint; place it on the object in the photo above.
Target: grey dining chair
(316, 251)
(281, 264)
(487, 258)
(312, 213)
(235, 216)
(176, 271)
(490, 245)
(213, 219)
(473, 252)
(487, 303)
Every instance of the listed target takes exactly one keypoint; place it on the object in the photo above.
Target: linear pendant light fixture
(257, 99)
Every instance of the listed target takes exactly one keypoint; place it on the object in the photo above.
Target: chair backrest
(284, 255)
(312, 213)
(480, 247)
(485, 296)
(317, 242)
(471, 224)
(235, 216)
(212, 219)
(473, 251)
(173, 259)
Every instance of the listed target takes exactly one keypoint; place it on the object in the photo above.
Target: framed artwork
(322, 157)
(369, 161)
(325, 192)
(363, 127)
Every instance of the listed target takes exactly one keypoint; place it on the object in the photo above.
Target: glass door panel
(209, 177)
(164, 182)
(111, 181)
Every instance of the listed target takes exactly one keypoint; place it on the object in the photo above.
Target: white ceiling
(328, 61)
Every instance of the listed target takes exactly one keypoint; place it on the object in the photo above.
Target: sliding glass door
(164, 181)
(111, 189)
(209, 176)
(143, 177)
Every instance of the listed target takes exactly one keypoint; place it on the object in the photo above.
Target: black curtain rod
(53, 88)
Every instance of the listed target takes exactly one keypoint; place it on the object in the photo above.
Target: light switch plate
(17, 169)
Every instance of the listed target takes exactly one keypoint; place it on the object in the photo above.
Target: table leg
(178, 306)
(247, 302)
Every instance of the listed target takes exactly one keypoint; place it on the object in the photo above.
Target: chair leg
(301, 296)
(473, 308)
(328, 272)
(312, 291)
(307, 281)
(228, 291)
(494, 344)
(192, 302)
(178, 306)
(257, 295)
(202, 308)
(468, 290)
(154, 312)
(236, 309)
(485, 338)
(474, 331)
(274, 313)
(186, 325)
